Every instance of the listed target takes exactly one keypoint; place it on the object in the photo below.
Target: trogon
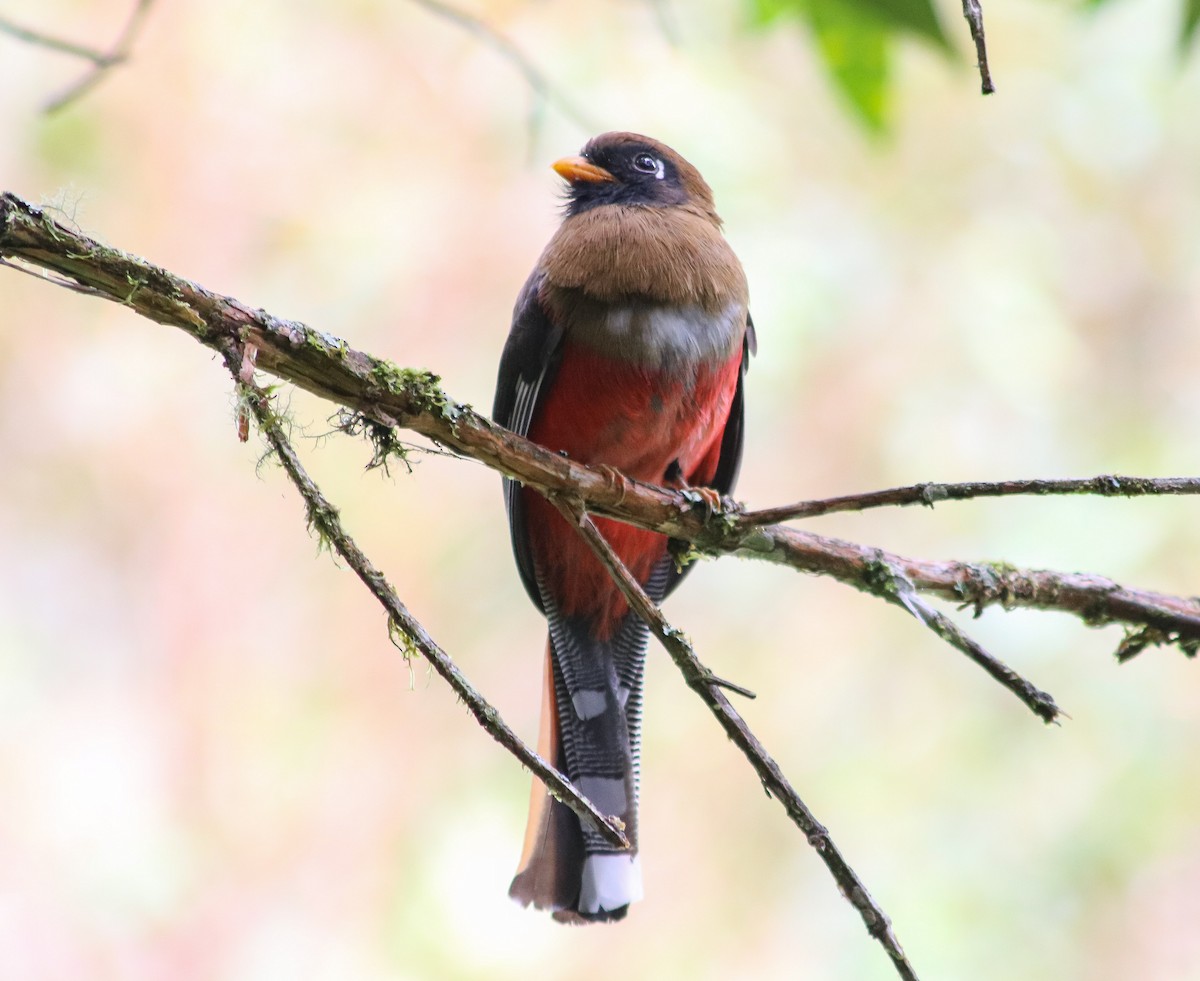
(628, 349)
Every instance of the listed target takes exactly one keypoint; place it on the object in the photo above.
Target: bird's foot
(707, 497)
(615, 479)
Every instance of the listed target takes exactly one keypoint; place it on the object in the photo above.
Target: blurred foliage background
(212, 762)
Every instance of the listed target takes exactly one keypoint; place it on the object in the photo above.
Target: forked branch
(101, 61)
(32, 241)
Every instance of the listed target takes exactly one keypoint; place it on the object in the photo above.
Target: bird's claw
(707, 497)
(615, 479)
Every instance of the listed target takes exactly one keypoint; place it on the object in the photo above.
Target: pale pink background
(212, 763)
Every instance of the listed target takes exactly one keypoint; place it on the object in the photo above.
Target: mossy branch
(33, 240)
(384, 397)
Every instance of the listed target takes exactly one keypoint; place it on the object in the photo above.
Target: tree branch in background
(541, 86)
(101, 61)
(98, 58)
(120, 52)
(973, 11)
(405, 630)
(701, 680)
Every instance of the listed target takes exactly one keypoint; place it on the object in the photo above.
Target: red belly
(602, 410)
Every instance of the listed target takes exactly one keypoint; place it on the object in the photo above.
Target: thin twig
(732, 686)
(892, 584)
(98, 58)
(324, 518)
(931, 494)
(535, 78)
(120, 52)
(708, 688)
(973, 11)
(49, 276)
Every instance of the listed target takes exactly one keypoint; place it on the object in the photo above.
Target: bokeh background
(212, 762)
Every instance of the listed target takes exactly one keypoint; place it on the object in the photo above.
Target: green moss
(326, 344)
(879, 578)
(684, 553)
(385, 444)
(420, 387)
(135, 284)
(1137, 640)
(402, 641)
(323, 522)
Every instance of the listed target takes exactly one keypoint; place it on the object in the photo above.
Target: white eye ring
(649, 164)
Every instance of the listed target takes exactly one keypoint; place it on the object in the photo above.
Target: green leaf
(765, 11)
(1191, 21)
(915, 16)
(912, 16)
(857, 56)
(854, 39)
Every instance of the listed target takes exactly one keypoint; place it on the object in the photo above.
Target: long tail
(591, 729)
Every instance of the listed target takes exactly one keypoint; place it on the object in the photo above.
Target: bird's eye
(648, 164)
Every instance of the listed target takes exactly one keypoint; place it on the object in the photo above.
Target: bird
(628, 348)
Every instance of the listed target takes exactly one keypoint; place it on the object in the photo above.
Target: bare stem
(893, 585)
(116, 55)
(931, 494)
(541, 86)
(100, 59)
(973, 11)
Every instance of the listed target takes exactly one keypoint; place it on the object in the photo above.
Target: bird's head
(632, 170)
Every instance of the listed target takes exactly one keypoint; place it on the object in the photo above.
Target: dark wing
(666, 577)
(527, 368)
(730, 461)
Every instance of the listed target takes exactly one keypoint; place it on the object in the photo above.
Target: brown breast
(666, 255)
(658, 286)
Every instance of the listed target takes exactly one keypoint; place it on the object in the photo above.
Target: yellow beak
(578, 169)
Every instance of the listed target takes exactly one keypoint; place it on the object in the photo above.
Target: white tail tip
(610, 882)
